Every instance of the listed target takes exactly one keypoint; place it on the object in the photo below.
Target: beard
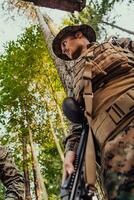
(76, 53)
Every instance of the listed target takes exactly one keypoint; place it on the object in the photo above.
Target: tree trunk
(40, 192)
(26, 170)
(54, 95)
(54, 135)
(56, 140)
(61, 118)
(52, 27)
(36, 183)
(58, 109)
(118, 27)
(63, 68)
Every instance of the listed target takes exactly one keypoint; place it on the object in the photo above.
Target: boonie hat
(87, 31)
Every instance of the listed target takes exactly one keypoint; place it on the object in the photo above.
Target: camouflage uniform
(117, 152)
(112, 113)
(118, 165)
(10, 177)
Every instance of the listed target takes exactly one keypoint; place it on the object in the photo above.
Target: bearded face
(73, 46)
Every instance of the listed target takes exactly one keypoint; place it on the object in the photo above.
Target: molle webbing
(106, 62)
(114, 117)
(100, 64)
(79, 69)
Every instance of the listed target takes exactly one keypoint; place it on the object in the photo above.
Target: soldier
(104, 85)
(10, 177)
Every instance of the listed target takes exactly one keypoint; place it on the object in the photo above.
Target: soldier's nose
(64, 50)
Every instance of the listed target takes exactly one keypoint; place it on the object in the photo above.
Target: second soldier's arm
(126, 43)
(10, 177)
(123, 42)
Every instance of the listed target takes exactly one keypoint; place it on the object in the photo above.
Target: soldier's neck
(85, 47)
(85, 50)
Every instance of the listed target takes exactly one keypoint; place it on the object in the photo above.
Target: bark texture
(64, 68)
(26, 170)
(40, 190)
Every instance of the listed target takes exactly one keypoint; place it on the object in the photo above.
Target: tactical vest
(99, 65)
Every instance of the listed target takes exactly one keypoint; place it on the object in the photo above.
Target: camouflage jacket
(10, 177)
(71, 141)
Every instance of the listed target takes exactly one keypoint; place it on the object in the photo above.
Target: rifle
(73, 187)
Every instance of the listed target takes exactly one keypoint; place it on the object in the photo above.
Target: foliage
(27, 79)
(96, 13)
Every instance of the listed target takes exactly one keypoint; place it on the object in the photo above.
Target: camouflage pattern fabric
(10, 177)
(118, 165)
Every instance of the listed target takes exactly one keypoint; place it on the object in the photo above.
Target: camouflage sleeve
(126, 43)
(123, 42)
(10, 177)
(71, 142)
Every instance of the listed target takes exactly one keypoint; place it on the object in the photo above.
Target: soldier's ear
(78, 34)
